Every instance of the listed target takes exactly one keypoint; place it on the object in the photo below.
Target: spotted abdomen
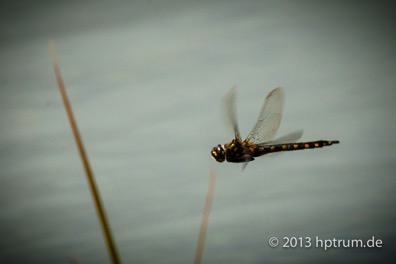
(264, 149)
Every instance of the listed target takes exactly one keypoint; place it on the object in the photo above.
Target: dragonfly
(260, 140)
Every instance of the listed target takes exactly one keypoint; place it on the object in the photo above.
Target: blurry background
(146, 80)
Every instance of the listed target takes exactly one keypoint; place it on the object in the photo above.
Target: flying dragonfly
(260, 140)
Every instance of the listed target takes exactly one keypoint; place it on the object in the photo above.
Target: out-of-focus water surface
(146, 81)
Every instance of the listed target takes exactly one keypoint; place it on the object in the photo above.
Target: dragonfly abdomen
(261, 150)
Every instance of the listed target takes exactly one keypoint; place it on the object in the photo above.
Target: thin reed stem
(205, 217)
(111, 247)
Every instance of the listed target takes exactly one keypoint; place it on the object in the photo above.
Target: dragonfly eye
(218, 153)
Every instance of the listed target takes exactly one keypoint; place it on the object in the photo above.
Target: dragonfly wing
(289, 138)
(269, 119)
(244, 165)
(230, 109)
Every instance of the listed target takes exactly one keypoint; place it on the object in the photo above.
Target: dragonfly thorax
(218, 153)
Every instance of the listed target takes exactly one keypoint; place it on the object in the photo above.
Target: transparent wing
(244, 165)
(289, 138)
(230, 109)
(269, 119)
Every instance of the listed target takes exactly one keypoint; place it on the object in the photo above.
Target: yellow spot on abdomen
(295, 146)
(284, 146)
(306, 145)
(316, 145)
(272, 147)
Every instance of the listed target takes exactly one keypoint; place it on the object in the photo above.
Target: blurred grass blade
(113, 254)
(205, 217)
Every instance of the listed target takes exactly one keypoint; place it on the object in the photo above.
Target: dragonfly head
(218, 153)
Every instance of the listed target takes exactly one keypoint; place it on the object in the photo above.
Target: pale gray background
(146, 81)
